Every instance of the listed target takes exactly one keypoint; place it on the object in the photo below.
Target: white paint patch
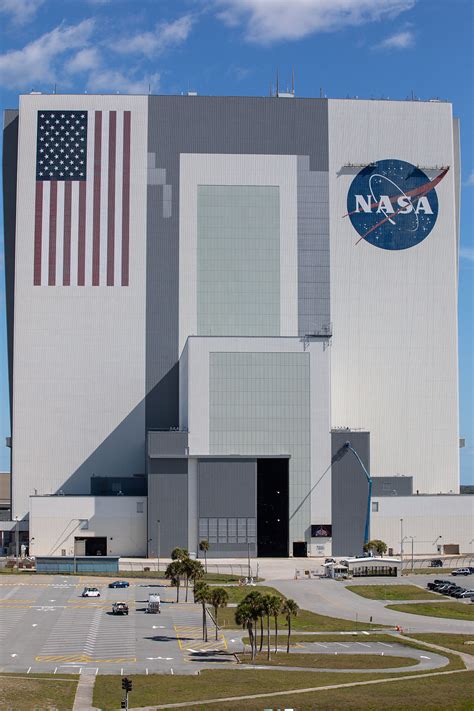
(13, 655)
(423, 657)
(35, 624)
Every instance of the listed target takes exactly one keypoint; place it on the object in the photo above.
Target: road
(330, 597)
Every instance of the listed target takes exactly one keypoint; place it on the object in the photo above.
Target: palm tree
(174, 572)
(201, 594)
(196, 571)
(192, 570)
(275, 609)
(268, 610)
(255, 601)
(289, 609)
(244, 618)
(218, 598)
(204, 547)
(179, 554)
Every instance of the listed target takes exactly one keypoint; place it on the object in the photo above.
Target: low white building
(438, 524)
(88, 525)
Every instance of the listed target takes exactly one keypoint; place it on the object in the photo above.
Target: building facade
(199, 289)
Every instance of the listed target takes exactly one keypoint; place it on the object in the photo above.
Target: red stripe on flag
(53, 206)
(96, 208)
(38, 235)
(81, 251)
(67, 234)
(111, 199)
(126, 197)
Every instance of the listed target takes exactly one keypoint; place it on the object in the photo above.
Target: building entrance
(90, 546)
(272, 508)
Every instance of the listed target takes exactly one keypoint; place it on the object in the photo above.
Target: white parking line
(320, 645)
(29, 669)
(343, 645)
(362, 644)
(385, 644)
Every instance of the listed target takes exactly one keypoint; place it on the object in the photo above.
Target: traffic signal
(127, 684)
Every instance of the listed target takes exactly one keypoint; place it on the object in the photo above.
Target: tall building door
(272, 507)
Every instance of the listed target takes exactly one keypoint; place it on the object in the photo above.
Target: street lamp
(17, 541)
(401, 546)
(412, 564)
(347, 447)
(158, 543)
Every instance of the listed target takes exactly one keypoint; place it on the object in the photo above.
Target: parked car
(457, 591)
(119, 584)
(90, 592)
(461, 571)
(467, 593)
(437, 563)
(329, 560)
(120, 608)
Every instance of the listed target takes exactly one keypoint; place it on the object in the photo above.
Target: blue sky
(364, 48)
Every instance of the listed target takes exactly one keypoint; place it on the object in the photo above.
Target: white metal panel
(394, 313)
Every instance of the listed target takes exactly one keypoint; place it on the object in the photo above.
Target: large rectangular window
(238, 260)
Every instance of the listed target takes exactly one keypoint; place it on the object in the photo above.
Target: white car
(90, 592)
(467, 593)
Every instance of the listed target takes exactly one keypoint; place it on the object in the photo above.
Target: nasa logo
(393, 204)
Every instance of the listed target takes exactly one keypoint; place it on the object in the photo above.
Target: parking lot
(45, 625)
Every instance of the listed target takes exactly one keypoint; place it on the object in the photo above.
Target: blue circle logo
(393, 204)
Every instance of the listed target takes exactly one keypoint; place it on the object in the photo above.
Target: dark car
(457, 592)
(437, 563)
(119, 584)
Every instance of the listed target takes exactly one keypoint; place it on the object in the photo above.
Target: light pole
(347, 447)
(412, 562)
(158, 543)
(17, 541)
(401, 546)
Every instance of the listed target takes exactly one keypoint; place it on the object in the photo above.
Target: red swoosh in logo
(416, 192)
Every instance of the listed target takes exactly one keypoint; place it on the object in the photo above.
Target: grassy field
(450, 610)
(392, 592)
(451, 641)
(452, 692)
(213, 684)
(36, 692)
(305, 622)
(439, 572)
(299, 638)
(331, 661)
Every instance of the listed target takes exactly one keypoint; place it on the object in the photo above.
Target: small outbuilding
(369, 567)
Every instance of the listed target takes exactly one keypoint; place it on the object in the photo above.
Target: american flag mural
(82, 200)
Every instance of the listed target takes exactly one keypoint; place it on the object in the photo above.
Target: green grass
(32, 693)
(451, 641)
(237, 593)
(452, 692)
(450, 610)
(305, 622)
(330, 661)
(427, 571)
(392, 592)
(213, 684)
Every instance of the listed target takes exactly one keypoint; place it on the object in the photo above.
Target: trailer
(154, 603)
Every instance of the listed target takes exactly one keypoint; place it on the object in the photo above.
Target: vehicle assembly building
(207, 297)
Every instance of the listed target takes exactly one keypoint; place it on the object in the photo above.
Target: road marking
(385, 644)
(29, 669)
(362, 644)
(13, 655)
(319, 644)
(423, 657)
(35, 625)
(344, 645)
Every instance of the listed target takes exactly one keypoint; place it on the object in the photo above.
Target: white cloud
(164, 36)
(36, 61)
(268, 21)
(83, 61)
(112, 80)
(400, 40)
(470, 181)
(21, 11)
(467, 253)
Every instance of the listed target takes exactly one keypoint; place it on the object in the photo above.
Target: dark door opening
(272, 508)
(96, 546)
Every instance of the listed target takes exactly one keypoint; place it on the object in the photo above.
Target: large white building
(207, 296)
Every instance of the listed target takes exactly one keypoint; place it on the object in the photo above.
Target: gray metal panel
(168, 466)
(227, 488)
(181, 124)
(349, 493)
(166, 443)
(9, 167)
(167, 503)
(392, 486)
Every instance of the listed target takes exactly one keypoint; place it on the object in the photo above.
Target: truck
(120, 608)
(154, 603)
